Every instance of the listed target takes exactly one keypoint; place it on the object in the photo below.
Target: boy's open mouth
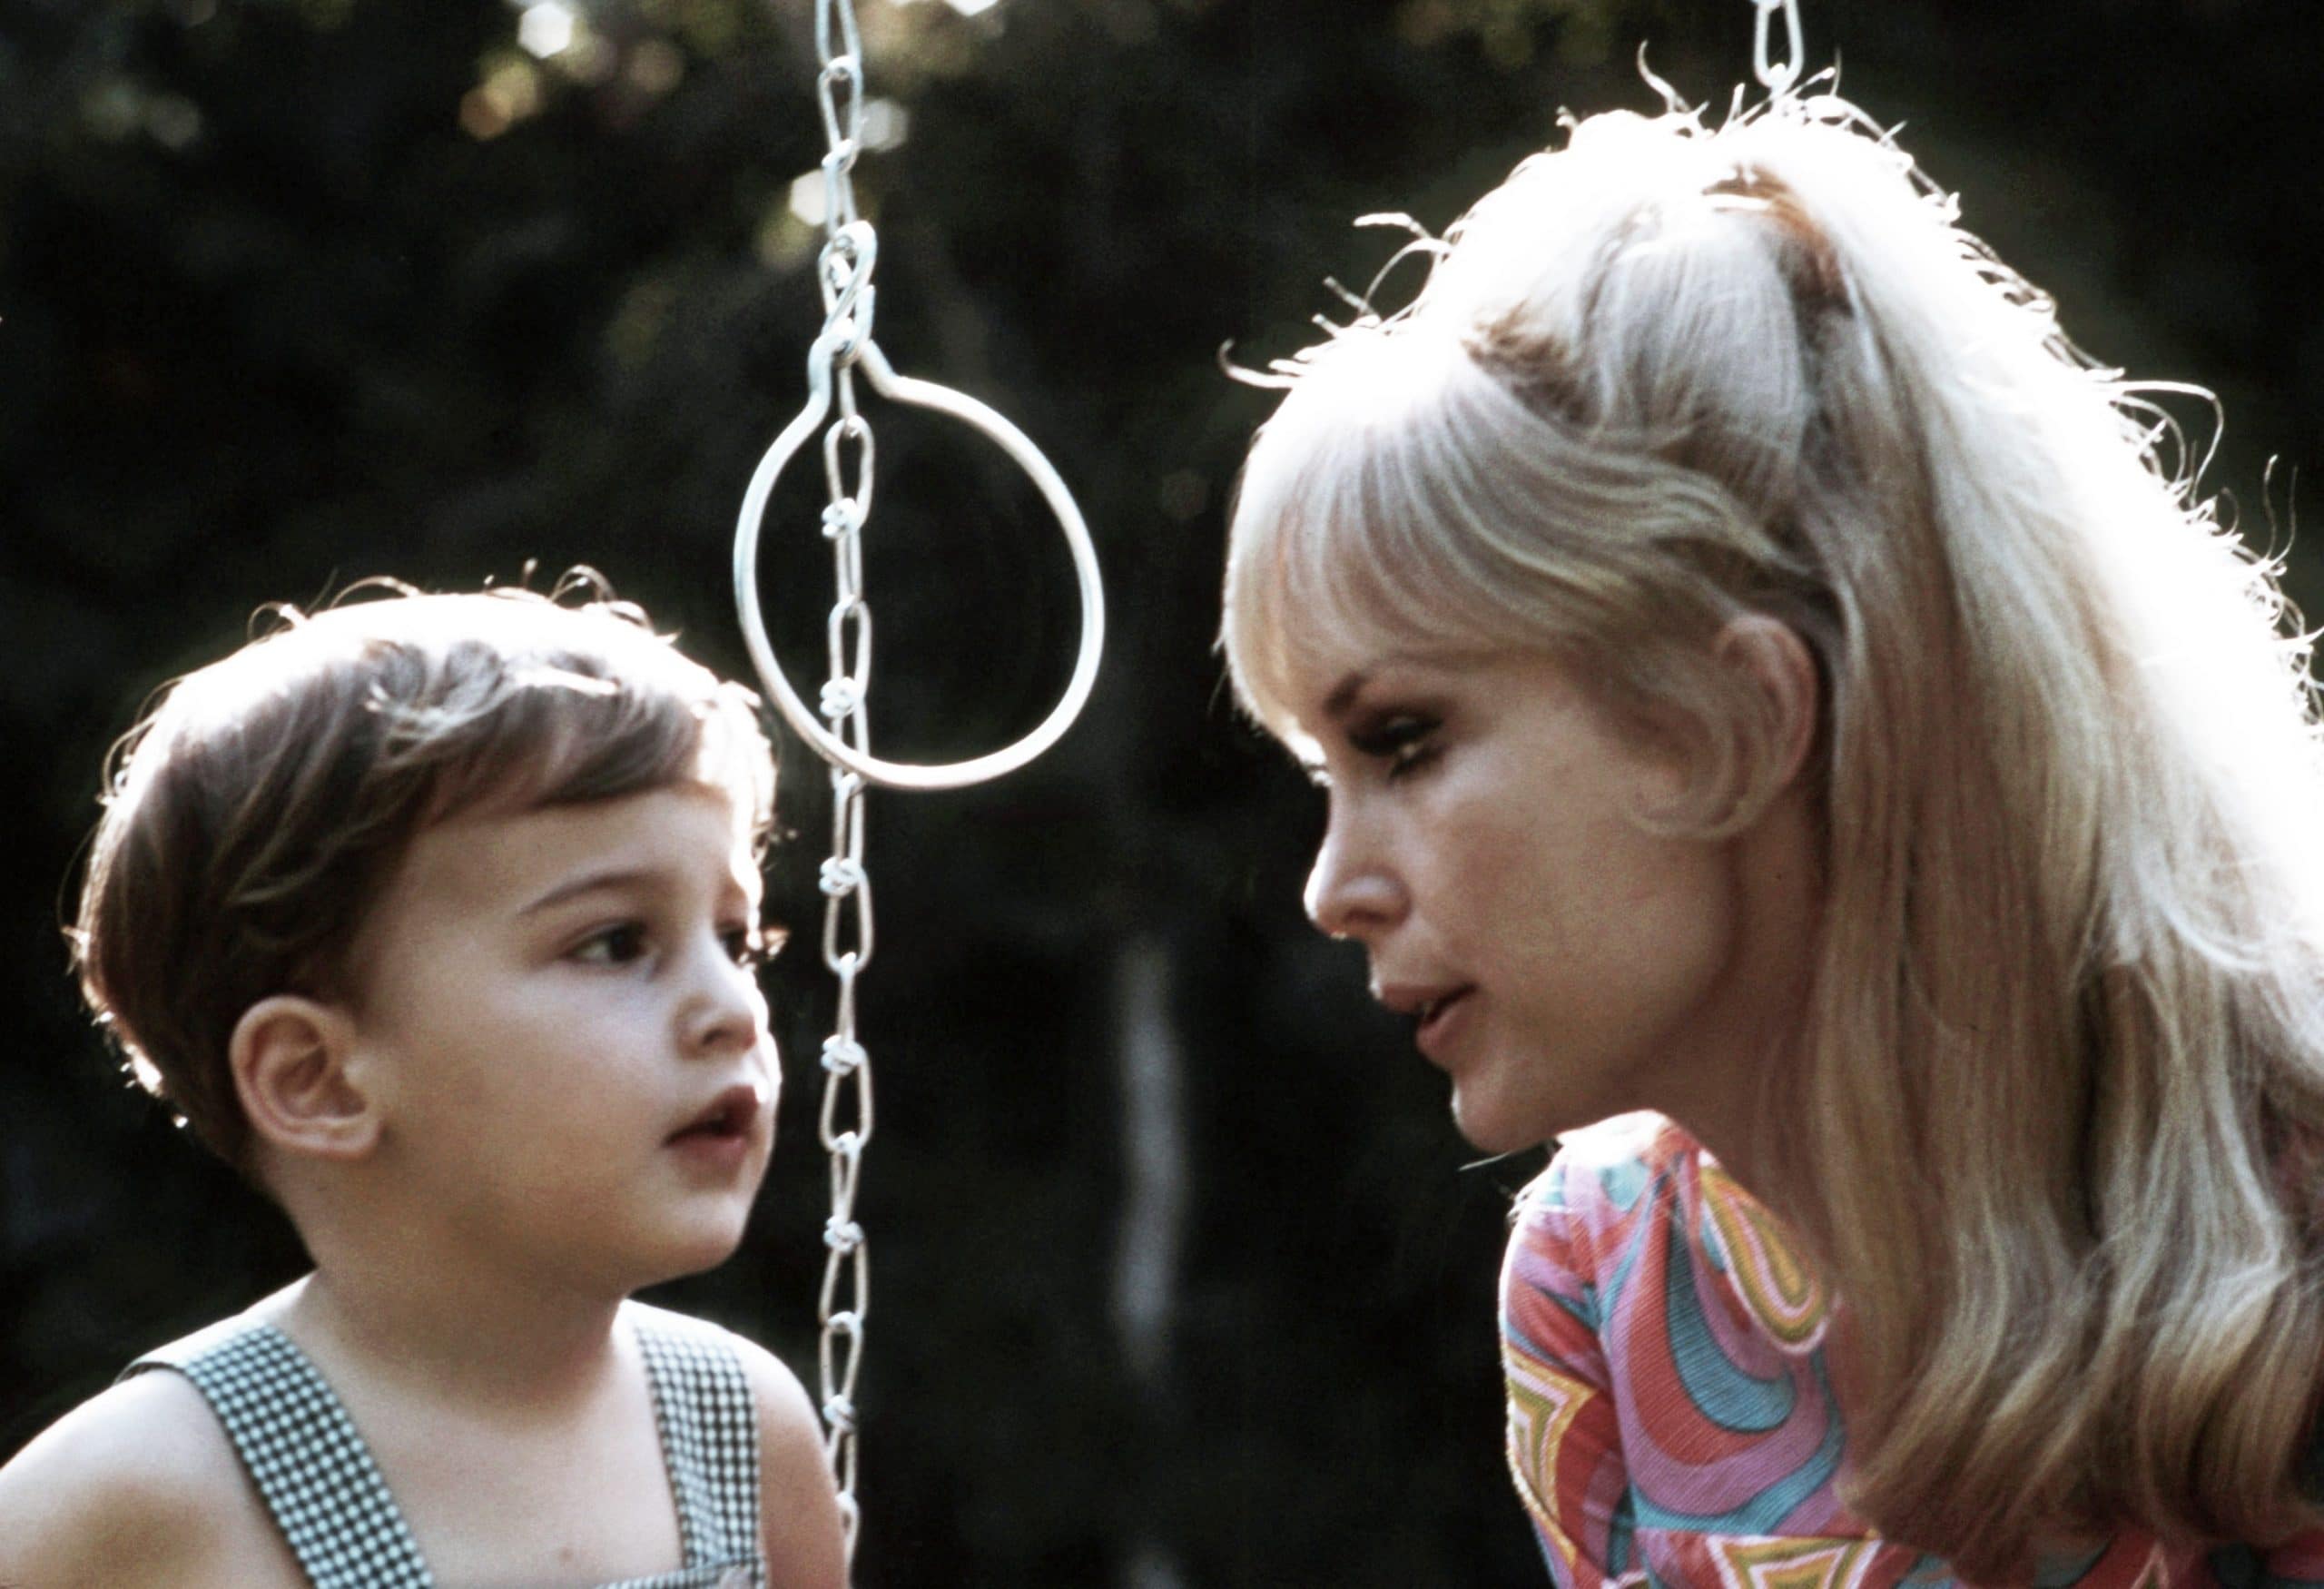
(731, 1114)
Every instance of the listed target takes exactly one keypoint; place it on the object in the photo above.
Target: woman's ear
(1782, 669)
(290, 1057)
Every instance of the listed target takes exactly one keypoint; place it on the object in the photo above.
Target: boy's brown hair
(259, 807)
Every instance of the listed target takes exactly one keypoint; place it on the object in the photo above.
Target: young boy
(436, 917)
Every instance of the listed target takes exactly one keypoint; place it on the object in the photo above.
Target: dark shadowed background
(1177, 1276)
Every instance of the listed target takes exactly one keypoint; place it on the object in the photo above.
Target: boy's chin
(697, 1257)
(700, 1232)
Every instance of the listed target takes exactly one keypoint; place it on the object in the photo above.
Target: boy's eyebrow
(604, 880)
(592, 883)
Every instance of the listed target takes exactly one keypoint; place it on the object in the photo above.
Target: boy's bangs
(263, 804)
(564, 737)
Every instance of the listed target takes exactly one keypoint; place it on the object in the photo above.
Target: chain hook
(1778, 79)
(851, 41)
(843, 271)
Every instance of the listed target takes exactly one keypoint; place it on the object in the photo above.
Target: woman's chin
(1497, 1125)
(1491, 1130)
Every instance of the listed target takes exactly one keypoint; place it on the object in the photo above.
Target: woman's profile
(1793, 731)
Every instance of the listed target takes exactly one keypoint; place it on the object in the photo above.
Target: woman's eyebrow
(1344, 694)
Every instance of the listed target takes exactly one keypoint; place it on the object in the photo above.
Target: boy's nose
(728, 1013)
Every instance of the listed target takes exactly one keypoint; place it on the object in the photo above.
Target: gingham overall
(318, 1481)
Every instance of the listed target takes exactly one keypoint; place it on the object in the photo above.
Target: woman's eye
(615, 946)
(1405, 742)
(754, 946)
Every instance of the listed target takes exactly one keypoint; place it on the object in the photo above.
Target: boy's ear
(289, 1055)
(1783, 669)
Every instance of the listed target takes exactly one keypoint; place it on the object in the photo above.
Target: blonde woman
(1791, 735)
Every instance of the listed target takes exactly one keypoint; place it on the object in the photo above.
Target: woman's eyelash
(1405, 741)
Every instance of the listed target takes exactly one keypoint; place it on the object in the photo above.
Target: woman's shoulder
(1602, 1184)
(138, 1485)
(1612, 1170)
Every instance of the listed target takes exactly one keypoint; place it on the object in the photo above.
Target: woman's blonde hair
(2051, 1129)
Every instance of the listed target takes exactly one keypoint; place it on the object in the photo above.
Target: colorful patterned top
(1670, 1421)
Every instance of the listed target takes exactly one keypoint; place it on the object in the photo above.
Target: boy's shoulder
(761, 1366)
(783, 1409)
(138, 1485)
(799, 1510)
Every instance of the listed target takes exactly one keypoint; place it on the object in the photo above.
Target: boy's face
(562, 1024)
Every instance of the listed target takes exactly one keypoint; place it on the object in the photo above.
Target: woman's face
(1564, 963)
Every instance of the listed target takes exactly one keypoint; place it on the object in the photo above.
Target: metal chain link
(844, 270)
(838, 729)
(1778, 79)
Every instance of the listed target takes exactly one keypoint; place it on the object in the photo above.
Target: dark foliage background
(294, 291)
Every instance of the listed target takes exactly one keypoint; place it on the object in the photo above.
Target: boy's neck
(476, 1340)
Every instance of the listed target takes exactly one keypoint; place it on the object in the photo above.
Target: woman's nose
(1349, 893)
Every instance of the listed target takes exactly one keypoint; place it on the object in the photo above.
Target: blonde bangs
(1328, 553)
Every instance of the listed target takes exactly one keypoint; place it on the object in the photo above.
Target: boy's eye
(615, 945)
(754, 946)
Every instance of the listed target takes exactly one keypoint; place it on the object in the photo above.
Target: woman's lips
(1441, 1021)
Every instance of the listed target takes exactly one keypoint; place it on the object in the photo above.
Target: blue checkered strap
(710, 1443)
(325, 1492)
(300, 1449)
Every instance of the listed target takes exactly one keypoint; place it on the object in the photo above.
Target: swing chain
(842, 735)
(845, 266)
(843, 271)
(1778, 80)
(845, 1123)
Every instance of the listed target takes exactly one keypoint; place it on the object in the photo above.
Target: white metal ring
(943, 399)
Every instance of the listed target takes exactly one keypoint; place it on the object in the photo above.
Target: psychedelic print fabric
(1670, 1419)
